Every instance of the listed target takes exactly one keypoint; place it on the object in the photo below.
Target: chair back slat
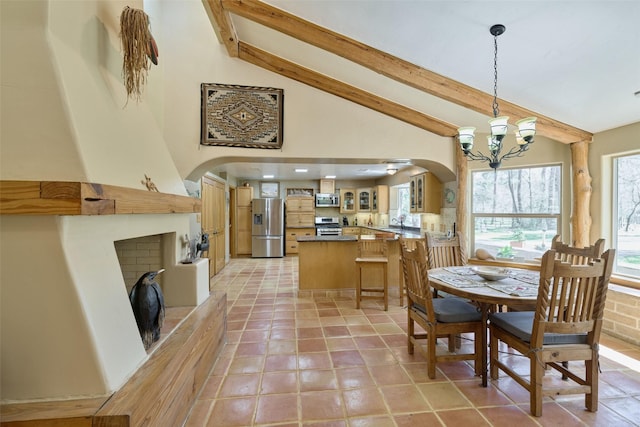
(575, 255)
(571, 296)
(372, 248)
(414, 267)
(445, 252)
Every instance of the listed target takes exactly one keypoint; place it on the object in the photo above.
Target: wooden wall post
(581, 182)
(461, 196)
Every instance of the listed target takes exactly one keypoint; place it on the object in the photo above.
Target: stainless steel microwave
(324, 200)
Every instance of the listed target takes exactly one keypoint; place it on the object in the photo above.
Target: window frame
(558, 217)
(621, 278)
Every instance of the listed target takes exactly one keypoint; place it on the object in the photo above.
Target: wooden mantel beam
(85, 198)
(394, 67)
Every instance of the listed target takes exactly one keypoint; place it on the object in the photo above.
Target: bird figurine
(147, 303)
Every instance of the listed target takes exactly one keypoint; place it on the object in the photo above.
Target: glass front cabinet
(425, 192)
(347, 200)
(364, 200)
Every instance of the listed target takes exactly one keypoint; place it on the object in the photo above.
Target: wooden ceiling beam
(222, 25)
(394, 67)
(312, 78)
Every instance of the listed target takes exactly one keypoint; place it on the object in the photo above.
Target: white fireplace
(70, 331)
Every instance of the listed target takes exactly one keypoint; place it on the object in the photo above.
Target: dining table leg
(484, 310)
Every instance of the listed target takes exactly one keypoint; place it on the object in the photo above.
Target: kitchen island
(328, 262)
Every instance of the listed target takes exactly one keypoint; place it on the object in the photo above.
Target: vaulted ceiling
(573, 64)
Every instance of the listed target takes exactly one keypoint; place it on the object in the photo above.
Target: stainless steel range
(328, 226)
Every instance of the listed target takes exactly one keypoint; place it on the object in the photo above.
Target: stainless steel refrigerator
(267, 229)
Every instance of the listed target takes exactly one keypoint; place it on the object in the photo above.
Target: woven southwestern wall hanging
(241, 116)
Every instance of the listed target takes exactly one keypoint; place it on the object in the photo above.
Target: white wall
(316, 124)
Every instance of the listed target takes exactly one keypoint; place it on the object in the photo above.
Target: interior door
(213, 222)
(219, 223)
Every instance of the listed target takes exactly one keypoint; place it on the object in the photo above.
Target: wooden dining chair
(445, 252)
(411, 244)
(372, 255)
(574, 255)
(438, 317)
(565, 326)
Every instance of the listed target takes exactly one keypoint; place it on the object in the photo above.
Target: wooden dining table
(520, 288)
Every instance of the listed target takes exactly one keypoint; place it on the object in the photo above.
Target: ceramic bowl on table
(491, 273)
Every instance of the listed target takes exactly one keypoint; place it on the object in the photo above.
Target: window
(515, 212)
(402, 210)
(626, 215)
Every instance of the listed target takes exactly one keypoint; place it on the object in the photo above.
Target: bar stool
(372, 254)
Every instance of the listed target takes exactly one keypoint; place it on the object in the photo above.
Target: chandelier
(524, 134)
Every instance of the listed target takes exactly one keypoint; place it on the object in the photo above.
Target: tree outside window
(516, 212)
(626, 215)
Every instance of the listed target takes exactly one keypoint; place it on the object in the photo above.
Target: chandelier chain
(496, 109)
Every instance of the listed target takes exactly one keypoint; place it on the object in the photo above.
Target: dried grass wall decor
(138, 47)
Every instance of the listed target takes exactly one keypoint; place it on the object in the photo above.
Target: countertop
(327, 238)
(399, 231)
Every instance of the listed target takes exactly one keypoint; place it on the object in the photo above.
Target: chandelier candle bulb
(465, 135)
(527, 128)
(499, 126)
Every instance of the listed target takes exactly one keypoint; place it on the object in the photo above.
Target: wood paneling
(163, 390)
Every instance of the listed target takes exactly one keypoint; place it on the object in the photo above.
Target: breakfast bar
(327, 262)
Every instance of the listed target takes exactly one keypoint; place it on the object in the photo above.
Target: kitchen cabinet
(364, 200)
(292, 235)
(327, 186)
(380, 199)
(300, 219)
(347, 200)
(425, 193)
(300, 212)
(244, 196)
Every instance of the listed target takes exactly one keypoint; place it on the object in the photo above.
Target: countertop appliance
(328, 226)
(326, 200)
(267, 228)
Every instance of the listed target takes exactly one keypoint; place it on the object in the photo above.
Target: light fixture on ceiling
(524, 134)
(392, 171)
(267, 176)
(301, 170)
(330, 177)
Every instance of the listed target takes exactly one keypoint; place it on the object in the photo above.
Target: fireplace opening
(139, 255)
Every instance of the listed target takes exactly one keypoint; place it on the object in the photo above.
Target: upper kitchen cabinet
(347, 200)
(327, 186)
(300, 211)
(364, 200)
(425, 193)
(380, 199)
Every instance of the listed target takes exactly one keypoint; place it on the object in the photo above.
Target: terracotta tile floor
(298, 359)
